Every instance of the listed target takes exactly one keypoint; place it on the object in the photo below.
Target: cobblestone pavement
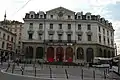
(58, 72)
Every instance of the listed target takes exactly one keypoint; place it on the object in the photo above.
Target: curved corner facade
(64, 35)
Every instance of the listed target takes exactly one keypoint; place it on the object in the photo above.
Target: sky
(109, 9)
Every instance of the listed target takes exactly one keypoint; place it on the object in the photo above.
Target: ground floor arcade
(66, 53)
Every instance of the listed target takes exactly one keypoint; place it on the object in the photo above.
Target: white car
(101, 65)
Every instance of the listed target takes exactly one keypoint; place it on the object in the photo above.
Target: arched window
(50, 54)
(39, 52)
(69, 54)
(80, 53)
(89, 54)
(29, 52)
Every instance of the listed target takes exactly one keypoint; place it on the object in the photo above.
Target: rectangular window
(4, 36)
(3, 44)
(69, 17)
(111, 34)
(40, 26)
(30, 36)
(79, 26)
(11, 39)
(69, 37)
(99, 28)
(31, 26)
(100, 38)
(108, 41)
(103, 31)
(79, 37)
(60, 26)
(8, 37)
(88, 27)
(111, 42)
(60, 37)
(107, 33)
(51, 16)
(89, 38)
(69, 26)
(104, 39)
(51, 26)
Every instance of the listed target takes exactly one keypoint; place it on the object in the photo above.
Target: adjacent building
(10, 35)
(64, 35)
(7, 42)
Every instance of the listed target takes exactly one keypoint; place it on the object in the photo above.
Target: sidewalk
(114, 76)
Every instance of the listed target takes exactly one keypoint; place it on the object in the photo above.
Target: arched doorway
(80, 53)
(29, 52)
(105, 55)
(69, 54)
(50, 54)
(100, 53)
(108, 54)
(59, 54)
(89, 54)
(39, 53)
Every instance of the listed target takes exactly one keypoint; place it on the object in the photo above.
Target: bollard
(82, 74)
(104, 75)
(13, 67)
(22, 70)
(50, 72)
(94, 74)
(35, 71)
(56, 66)
(66, 73)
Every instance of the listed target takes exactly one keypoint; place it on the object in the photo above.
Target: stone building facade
(64, 35)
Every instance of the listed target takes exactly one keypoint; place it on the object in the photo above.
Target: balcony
(89, 33)
(30, 31)
(40, 32)
(79, 32)
(60, 41)
(60, 31)
(51, 31)
(69, 32)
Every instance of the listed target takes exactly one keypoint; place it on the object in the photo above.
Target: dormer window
(51, 16)
(69, 17)
(41, 16)
(31, 16)
(88, 17)
(78, 17)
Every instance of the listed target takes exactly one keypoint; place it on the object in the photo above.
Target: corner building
(64, 35)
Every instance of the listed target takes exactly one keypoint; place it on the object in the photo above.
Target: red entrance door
(59, 54)
(69, 54)
(50, 54)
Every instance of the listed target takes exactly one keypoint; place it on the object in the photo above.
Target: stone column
(55, 53)
(64, 54)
